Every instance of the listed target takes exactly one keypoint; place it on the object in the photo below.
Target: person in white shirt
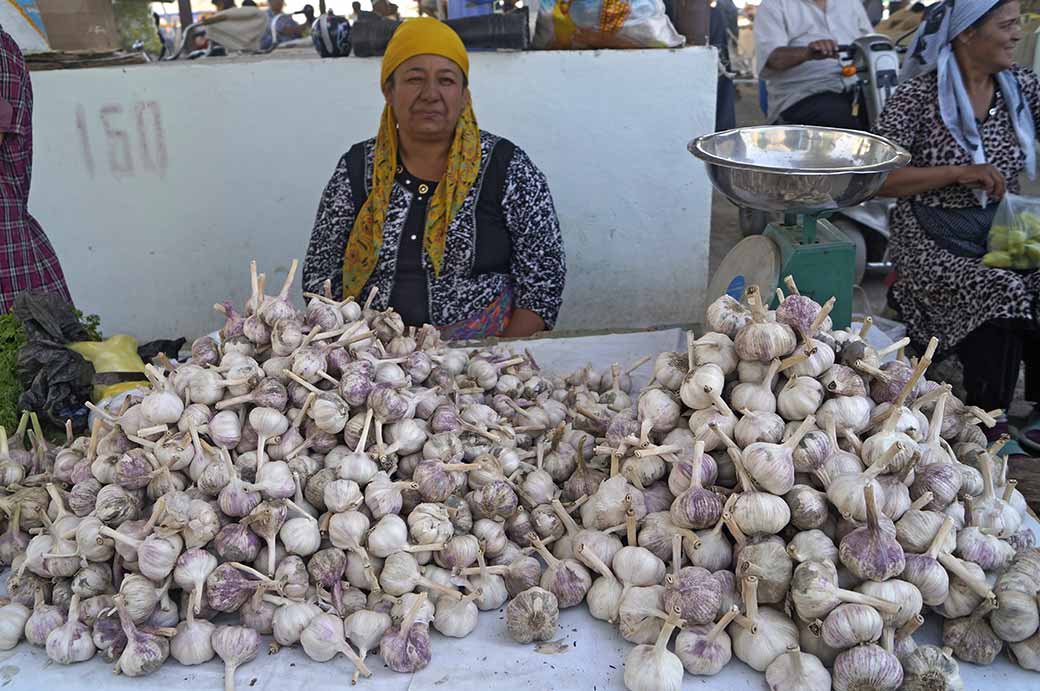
(796, 51)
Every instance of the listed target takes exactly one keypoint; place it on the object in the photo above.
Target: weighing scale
(805, 173)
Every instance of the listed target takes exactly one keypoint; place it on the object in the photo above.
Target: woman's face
(427, 94)
(993, 43)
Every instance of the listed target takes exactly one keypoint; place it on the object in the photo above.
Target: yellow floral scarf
(366, 237)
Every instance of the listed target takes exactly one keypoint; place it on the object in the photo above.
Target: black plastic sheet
(55, 380)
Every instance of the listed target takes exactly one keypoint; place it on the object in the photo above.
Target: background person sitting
(283, 28)
(796, 52)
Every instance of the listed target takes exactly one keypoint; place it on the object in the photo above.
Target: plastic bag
(55, 380)
(579, 24)
(1014, 237)
(117, 363)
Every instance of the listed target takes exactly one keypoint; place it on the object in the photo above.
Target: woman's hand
(523, 323)
(984, 177)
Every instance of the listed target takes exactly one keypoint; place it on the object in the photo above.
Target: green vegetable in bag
(997, 260)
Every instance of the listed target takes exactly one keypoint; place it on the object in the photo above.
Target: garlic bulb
(706, 648)
(727, 315)
(236, 645)
(851, 624)
(406, 647)
(971, 638)
(796, 670)
(767, 559)
(1027, 653)
(457, 618)
(690, 590)
(871, 553)
(1017, 616)
(812, 545)
(866, 667)
(654, 667)
(760, 339)
(930, 668)
(71, 642)
(532, 615)
(926, 573)
(762, 634)
(192, 644)
(815, 593)
(44, 619)
(801, 397)
(144, 652)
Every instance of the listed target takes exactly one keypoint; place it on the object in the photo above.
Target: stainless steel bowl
(797, 169)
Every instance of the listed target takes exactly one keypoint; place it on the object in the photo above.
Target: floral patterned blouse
(536, 266)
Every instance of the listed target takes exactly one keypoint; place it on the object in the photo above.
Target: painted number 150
(133, 141)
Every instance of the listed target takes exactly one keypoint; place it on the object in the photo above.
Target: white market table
(589, 655)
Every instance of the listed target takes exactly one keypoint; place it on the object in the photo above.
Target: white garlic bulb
(795, 671)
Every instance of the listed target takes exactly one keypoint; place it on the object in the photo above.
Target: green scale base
(821, 259)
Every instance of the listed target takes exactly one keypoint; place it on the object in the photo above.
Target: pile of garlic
(336, 481)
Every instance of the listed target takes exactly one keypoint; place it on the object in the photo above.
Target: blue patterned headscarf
(932, 49)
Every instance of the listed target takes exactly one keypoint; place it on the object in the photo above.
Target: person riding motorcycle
(796, 51)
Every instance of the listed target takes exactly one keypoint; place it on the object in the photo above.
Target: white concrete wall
(157, 185)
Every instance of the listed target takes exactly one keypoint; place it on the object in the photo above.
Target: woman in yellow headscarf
(449, 225)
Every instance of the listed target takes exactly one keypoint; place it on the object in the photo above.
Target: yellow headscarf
(423, 36)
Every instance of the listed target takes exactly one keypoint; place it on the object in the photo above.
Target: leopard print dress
(938, 293)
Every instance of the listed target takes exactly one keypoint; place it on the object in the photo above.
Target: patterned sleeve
(1030, 85)
(538, 264)
(902, 113)
(15, 118)
(329, 238)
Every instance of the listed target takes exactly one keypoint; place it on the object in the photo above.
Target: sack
(331, 36)
(579, 24)
(1014, 239)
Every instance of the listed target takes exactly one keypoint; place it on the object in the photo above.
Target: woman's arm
(328, 241)
(912, 181)
(538, 263)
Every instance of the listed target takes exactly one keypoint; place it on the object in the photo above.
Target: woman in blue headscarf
(967, 114)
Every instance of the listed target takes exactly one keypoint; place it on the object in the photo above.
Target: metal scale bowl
(807, 173)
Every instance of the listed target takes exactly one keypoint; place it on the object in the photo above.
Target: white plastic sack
(578, 24)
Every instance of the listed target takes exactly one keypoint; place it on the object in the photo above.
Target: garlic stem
(940, 537)
(986, 468)
(676, 554)
(851, 596)
(1009, 490)
(719, 627)
(630, 522)
(593, 560)
(568, 521)
(539, 546)
(918, 372)
(922, 501)
(800, 433)
(911, 626)
(691, 361)
(893, 347)
(888, 639)
(750, 584)
(957, 568)
(868, 498)
(867, 323)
